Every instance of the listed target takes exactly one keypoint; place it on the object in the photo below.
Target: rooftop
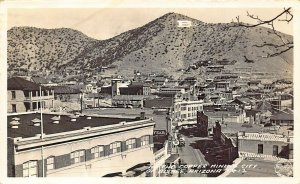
(237, 127)
(159, 103)
(132, 97)
(27, 129)
(39, 80)
(18, 83)
(282, 116)
(222, 113)
(263, 137)
(159, 116)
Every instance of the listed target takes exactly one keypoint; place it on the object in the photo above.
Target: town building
(135, 89)
(66, 94)
(202, 122)
(24, 95)
(225, 116)
(159, 103)
(222, 86)
(78, 145)
(130, 100)
(214, 68)
(185, 111)
(227, 151)
(115, 87)
(282, 102)
(265, 144)
(282, 118)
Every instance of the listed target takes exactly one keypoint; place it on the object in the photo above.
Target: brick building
(202, 122)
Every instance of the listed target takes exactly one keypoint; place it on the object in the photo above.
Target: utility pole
(42, 133)
(98, 100)
(81, 96)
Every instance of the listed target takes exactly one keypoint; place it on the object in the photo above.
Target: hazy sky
(107, 22)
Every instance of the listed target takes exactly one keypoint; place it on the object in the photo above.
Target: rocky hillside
(159, 46)
(37, 49)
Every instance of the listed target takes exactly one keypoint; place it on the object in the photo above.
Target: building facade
(93, 146)
(23, 96)
(265, 144)
(185, 111)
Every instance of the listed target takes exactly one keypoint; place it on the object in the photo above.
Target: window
(183, 108)
(30, 169)
(260, 149)
(13, 95)
(97, 151)
(115, 147)
(14, 107)
(77, 156)
(130, 144)
(50, 163)
(183, 116)
(145, 140)
(189, 109)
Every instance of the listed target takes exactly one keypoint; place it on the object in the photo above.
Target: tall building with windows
(78, 145)
(24, 95)
(185, 111)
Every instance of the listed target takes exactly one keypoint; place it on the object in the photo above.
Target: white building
(78, 145)
(185, 111)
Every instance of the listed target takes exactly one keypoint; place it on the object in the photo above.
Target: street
(192, 156)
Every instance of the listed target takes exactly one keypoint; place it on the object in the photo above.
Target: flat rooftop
(236, 127)
(27, 129)
(159, 117)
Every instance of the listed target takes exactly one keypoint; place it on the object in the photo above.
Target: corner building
(86, 146)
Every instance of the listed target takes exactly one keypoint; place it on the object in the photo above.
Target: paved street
(192, 156)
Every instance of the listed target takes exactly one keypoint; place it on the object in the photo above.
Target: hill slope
(35, 48)
(160, 46)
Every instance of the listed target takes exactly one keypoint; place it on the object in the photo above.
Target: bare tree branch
(286, 44)
(262, 22)
(273, 45)
(282, 51)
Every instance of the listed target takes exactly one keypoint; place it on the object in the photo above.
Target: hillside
(38, 49)
(159, 46)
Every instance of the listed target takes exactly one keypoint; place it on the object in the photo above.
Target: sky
(104, 23)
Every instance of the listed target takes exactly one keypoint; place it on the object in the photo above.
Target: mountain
(37, 49)
(159, 46)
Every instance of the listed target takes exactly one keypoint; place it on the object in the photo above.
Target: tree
(286, 16)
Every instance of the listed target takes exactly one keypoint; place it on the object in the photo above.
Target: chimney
(14, 124)
(55, 119)
(142, 115)
(36, 122)
(73, 117)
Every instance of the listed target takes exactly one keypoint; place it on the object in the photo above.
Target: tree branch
(286, 44)
(262, 22)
